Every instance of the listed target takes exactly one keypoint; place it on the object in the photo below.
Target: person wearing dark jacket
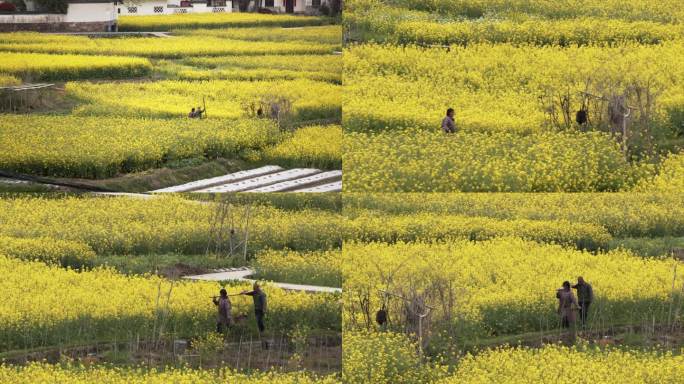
(585, 295)
(259, 298)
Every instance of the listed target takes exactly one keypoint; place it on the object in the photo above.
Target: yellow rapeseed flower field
(625, 214)
(99, 147)
(554, 364)
(75, 374)
(497, 87)
(310, 100)
(216, 20)
(160, 225)
(315, 146)
(47, 305)
(317, 268)
(505, 286)
(35, 66)
(154, 47)
(328, 34)
(422, 161)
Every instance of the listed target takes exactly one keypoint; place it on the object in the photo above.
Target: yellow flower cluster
(98, 147)
(317, 268)
(384, 358)
(268, 67)
(51, 251)
(392, 358)
(328, 34)
(507, 285)
(317, 146)
(216, 20)
(369, 227)
(670, 176)
(539, 22)
(496, 87)
(160, 225)
(7, 80)
(46, 305)
(310, 100)
(422, 161)
(177, 47)
(555, 364)
(655, 10)
(36, 66)
(622, 214)
(58, 374)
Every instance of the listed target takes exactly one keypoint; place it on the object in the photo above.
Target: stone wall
(97, 26)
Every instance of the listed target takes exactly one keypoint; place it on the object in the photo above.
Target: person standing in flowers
(259, 298)
(567, 304)
(585, 295)
(448, 123)
(224, 311)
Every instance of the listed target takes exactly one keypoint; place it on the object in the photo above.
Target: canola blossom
(315, 146)
(670, 177)
(540, 22)
(421, 161)
(621, 214)
(253, 68)
(154, 47)
(216, 20)
(77, 374)
(506, 286)
(655, 10)
(106, 305)
(546, 365)
(45, 67)
(497, 87)
(328, 34)
(317, 268)
(161, 225)
(310, 100)
(7, 80)
(389, 357)
(50, 251)
(100, 147)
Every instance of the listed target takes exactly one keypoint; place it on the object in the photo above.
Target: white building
(292, 6)
(81, 16)
(167, 7)
(170, 7)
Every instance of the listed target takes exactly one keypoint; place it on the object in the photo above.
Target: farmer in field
(585, 295)
(259, 298)
(198, 112)
(567, 304)
(224, 311)
(192, 114)
(448, 123)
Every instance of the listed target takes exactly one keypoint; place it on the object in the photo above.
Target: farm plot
(309, 100)
(392, 358)
(256, 88)
(267, 67)
(131, 308)
(153, 47)
(73, 374)
(505, 286)
(422, 161)
(32, 66)
(100, 147)
(216, 20)
(522, 71)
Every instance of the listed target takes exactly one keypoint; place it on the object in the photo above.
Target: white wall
(25, 19)
(90, 12)
(147, 7)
